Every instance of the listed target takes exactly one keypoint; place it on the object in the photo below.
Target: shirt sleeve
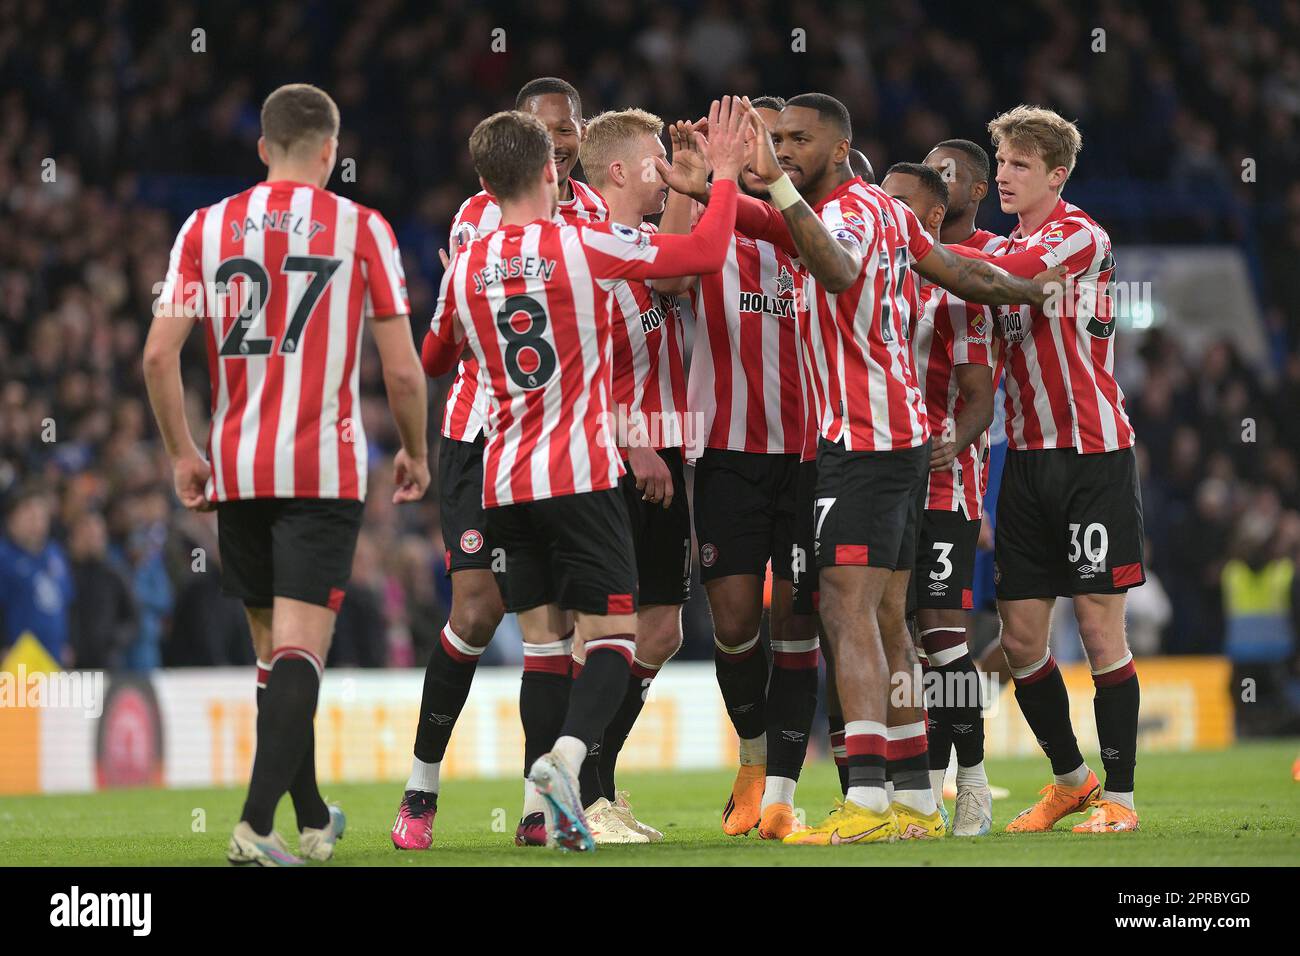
(615, 251)
(445, 340)
(182, 291)
(1069, 242)
(758, 220)
(382, 261)
(846, 221)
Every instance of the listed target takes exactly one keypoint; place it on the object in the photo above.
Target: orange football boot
(1057, 802)
(741, 814)
(778, 822)
(1109, 817)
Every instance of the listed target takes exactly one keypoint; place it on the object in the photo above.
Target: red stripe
(1126, 575)
(1114, 677)
(291, 651)
(850, 554)
(619, 649)
(798, 661)
(619, 604)
(459, 656)
(641, 671)
(937, 641)
(967, 599)
(236, 369)
(1036, 676)
(335, 599)
(549, 663)
(315, 349)
(275, 246)
(908, 747)
(857, 745)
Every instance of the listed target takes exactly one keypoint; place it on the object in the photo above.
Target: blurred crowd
(117, 120)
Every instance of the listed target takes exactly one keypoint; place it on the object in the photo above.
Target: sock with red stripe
(599, 689)
(838, 753)
(1040, 692)
(960, 717)
(791, 703)
(908, 766)
(742, 678)
(864, 745)
(308, 805)
(1116, 708)
(447, 679)
(284, 729)
(616, 734)
(544, 695)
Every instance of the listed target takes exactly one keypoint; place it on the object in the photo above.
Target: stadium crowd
(116, 122)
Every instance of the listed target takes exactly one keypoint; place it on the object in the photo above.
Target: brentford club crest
(784, 282)
(708, 554)
(471, 541)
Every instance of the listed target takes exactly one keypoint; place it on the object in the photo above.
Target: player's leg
(476, 611)
(733, 525)
(1105, 520)
(792, 690)
(944, 575)
(589, 541)
(1030, 571)
(312, 546)
(834, 716)
(658, 638)
(791, 704)
(908, 760)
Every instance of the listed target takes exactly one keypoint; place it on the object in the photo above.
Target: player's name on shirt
(516, 267)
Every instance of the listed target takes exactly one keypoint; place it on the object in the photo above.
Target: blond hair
(1039, 132)
(608, 136)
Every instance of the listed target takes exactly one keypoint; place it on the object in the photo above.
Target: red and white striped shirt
(479, 214)
(1061, 388)
(649, 386)
(533, 302)
(987, 242)
(309, 266)
(866, 389)
(745, 375)
(951, 332)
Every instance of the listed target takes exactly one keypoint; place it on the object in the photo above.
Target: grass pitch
(1236, 807)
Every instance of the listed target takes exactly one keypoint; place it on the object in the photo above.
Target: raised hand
(765, 163)
(689, 172)
(726, 142)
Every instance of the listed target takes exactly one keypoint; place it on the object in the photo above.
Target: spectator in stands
(102, 619)
(35, 581)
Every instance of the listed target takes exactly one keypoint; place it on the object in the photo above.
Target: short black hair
(545, 85)
(768, 103)
(979, 159)
(930, 178)
(828, 108)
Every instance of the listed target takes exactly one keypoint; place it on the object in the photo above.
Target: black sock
(616, 734)
(599, 689)
(284, 726)
(866, 756)
(1116, 708)
(589, 783)
(956, 718)
(791, 703)
(838, 752)
(907, 762)
(308, 805)
(447, 679)
(742, 678)
(543, 697)
(1046, 706)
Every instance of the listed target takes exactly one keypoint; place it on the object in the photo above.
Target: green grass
(1227, 808)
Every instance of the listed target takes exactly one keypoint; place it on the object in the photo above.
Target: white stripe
(387, 254)
(737, 649)
(561, 648)
(858, 728)
(210, 250)
(770, 373)
(454, 640)
(1122, 662)
(612, 643)
(250, 422)
(906, 731)
(173, 270)
(329, 437)
(795, 647)
(931, 630)
(946, 656)
(297, 652)
(286, 430)
(1019, 672)
(539, 459)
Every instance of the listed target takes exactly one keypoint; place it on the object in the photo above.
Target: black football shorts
(661, 538)
(867, 506)
(745, 512)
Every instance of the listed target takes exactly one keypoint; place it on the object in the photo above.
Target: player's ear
(841, 154)
(935, 219)
(261, 151)
(979, 190)
(1057, 177)
(483, 184)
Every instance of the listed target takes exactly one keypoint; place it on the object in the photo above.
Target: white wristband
(783, 192)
